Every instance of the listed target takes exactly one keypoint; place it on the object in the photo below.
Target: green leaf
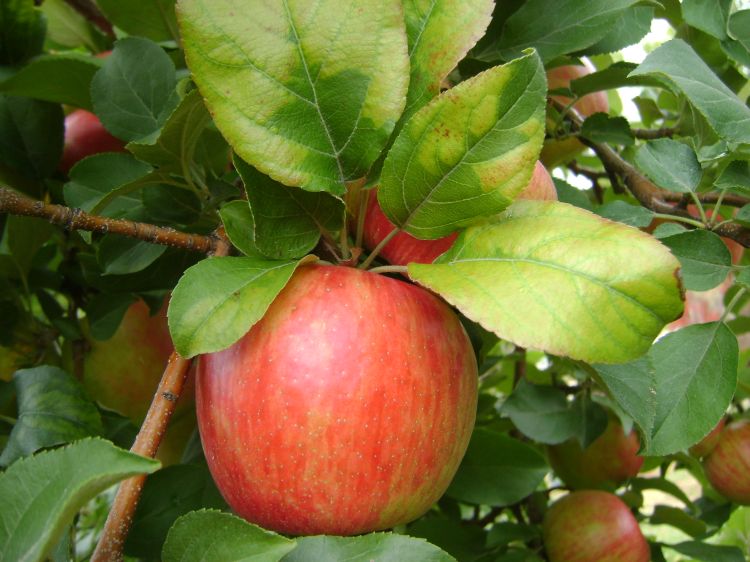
(629, 28)
(104, 313)
(22, 29)
(497, 470)
(708, 15)
(602, 128)
(218, 300)
(69, 29)
(154, 19)
(706, 260)
(684, 71)
(41, 494)
(170, 204)
(439, 34)
(31, 136)
(339, 69)
(696, 376)
(52, 409)
(679, 519)
(375, 546)
(461, 541)
(468, 153)
(24, 237)
(239, 224)
(670, 164)
(550, 276)
(175, 143)
(119, 255)
(557, 27)
(663, 485)
(63, 78)
(739, 28)
(620, 211)
(130, 102)
(288, 220)
(221, 537)
(700, 550)
(168, 494)
(735, 178)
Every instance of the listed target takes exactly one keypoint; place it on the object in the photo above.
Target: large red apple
(605, 464)
(728, 465)
(709, 442)
(345, 410)
(403, 248)
(85, 135)
(593, 526)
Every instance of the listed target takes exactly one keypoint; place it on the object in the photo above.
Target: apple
(85, 135)
(346, 409)
(593, 526)
(728, 465)
(708, 443)
(605, 464)
(404, 248)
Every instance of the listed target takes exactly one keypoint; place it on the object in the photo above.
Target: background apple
(346, 409)
(593, 526)
(85, 135)
(405, 248)
(707, 444)
(728, 465)
(605, 464)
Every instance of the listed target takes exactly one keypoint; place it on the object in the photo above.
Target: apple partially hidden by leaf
(593, 526)
(728, 465)
(709, 442)
(404, 248)
(345, 410)
(85, 135)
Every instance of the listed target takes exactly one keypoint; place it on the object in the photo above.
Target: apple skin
(593, 526)
(728, 465)
(85, 135)
(346, 409)
(405, 248)
(709, 442)
(605, 464)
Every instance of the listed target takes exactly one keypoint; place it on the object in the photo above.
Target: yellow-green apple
(728, 465)
(404, 248)
(346, 409)
(707, 444)
(85, 135)
(605, 464)
(556, 152)
(593, 526)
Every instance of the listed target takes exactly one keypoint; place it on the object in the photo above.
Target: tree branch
(651, 134)
(90, 11)
(75, 219)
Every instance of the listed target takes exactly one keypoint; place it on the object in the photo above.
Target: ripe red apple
(85, 135)
(605, 464)
(346, 409)
(728, 465)
(404, 248)
(593, 526)
(707, 444)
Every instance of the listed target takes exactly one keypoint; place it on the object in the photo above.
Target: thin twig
(75, 219)
(90, 11)
(651, 134)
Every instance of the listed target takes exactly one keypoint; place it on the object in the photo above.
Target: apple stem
(379, 247)
(735, 299)
(390, 269)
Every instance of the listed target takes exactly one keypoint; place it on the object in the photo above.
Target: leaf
(218, 300)
(663, 485)
(154, 19)
(41, 494)
(67, 28)
(288, 220)
(497, 470)
(131, 103)
(239, 224)
(684, 71)
(626, 213)
(461, 541)
(53, 409)
(365, 548)
(168, 494)
(602, 128)
(341, 69)
(31, 136)
(700, 550)
(24, 237)
(549, 276)
(221, 537)
(22, 29)
(709, 16)
(119, 255)
(468, 153)
(670, 164)
(705, 259)
(63, 78)
(679, 519)
(170, 204)
(629, 28)
(439, 34)
(696, 376)
(175, 143)
(104, 313)
(735, 178)
(738, 25)
(557, 27)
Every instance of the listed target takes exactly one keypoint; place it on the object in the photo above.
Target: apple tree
(378, 280)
